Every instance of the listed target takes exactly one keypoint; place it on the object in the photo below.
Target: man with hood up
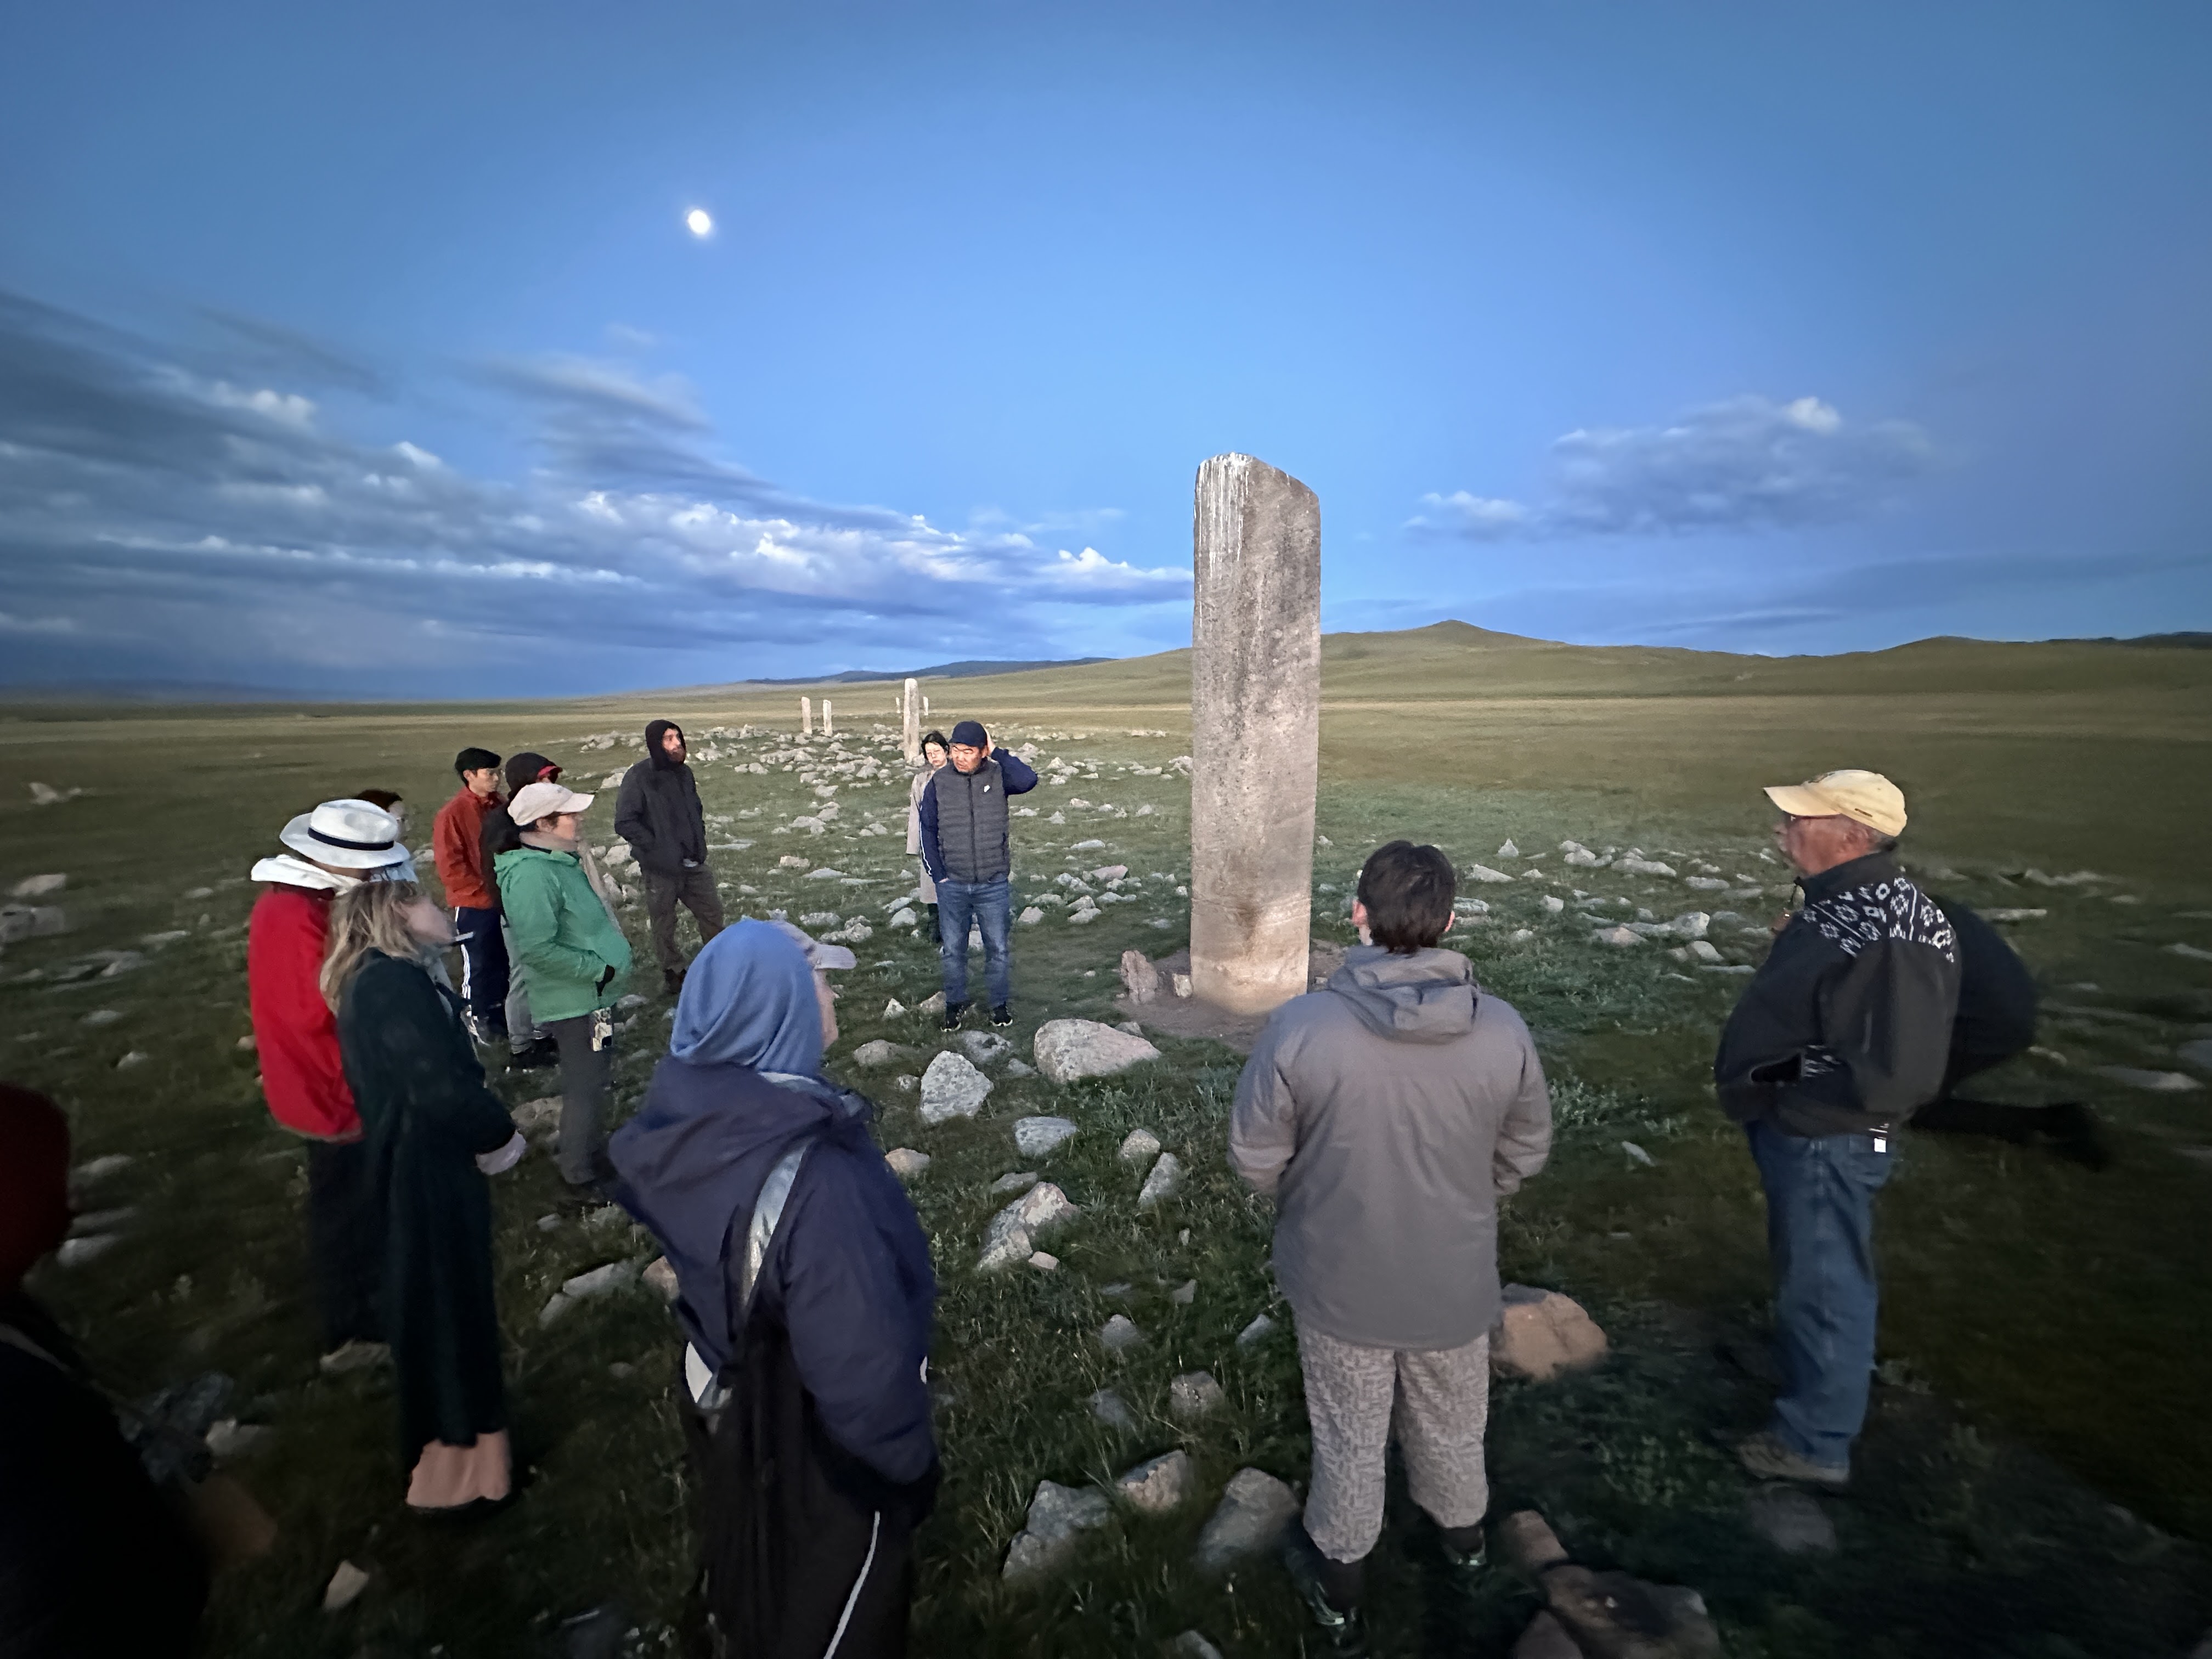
(1387, 1114)
(805, 1289)
(657, 813)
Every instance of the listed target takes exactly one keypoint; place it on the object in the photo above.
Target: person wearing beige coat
(936, 752)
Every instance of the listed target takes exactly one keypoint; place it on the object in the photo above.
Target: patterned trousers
(1441, 1405)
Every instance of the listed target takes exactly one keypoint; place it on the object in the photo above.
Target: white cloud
(1746, 463)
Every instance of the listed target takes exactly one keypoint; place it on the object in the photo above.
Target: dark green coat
(428, 1116)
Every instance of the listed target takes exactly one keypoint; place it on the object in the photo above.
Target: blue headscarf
(749, 1000)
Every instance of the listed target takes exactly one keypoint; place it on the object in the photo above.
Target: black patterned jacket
(1847, 1028)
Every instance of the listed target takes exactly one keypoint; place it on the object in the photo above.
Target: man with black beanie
(963, 819)
(457, 838)
(657, 813)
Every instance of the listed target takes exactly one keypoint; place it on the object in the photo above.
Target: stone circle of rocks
(951, 1087)
(1069, 1050)
(1540, 1333)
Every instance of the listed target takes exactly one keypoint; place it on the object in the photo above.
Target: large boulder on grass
(1068, 1050)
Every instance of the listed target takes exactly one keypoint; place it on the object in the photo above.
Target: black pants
(694, 889)
(483, 968)
(345, 1241)
(2020, 1125)
(581, 1149)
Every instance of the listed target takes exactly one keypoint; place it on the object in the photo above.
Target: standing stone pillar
(828, 729)
(1256, 733)
(910, 722)
(806, 717)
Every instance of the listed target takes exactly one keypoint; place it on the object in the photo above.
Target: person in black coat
(657, 813)
(1995, 1021)
(805, 1289)
(434, 1130)
(94, 1559)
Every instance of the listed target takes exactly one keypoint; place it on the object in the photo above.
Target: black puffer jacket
(658, 811)
(1847, 1028)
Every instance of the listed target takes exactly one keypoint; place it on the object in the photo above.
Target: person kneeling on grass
(805, 1289)
(574, 956)
(1387, 1114)
(435, 1131)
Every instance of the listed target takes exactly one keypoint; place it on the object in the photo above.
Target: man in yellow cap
(1844, 1031)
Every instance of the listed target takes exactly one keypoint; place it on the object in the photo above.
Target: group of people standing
(1386, 1115)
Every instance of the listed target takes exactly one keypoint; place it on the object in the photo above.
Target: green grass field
(2037, 1477)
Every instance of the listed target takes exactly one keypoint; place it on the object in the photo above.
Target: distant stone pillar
(806, 717)
(828, 729)
(1256, 733)
(925, 709)
(910, 722)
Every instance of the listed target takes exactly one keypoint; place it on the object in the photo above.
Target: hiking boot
(1468, 1559)
(1343, 1628)
(672, 980)
(534, 1055)
(2072, 1131)
(952, 1012)
(1765, 1456)
(1001, 1014)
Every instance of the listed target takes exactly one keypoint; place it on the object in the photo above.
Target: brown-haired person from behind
(434, 1130)
(92, 1560)
(529, 1045)
(1387, 1114)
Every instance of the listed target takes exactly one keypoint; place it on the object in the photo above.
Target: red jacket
(294, 1030)
(457, 837)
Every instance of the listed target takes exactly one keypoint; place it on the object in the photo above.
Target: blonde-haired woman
(434, 1130)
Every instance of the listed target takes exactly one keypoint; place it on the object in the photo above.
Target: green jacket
(563, 933)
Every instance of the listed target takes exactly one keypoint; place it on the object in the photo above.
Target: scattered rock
(1019, 1069)
(77, 1252)
(1621, 935)
(346, 1584)
(894, 1008)
(1184, 1294)
(1554, 903)
(1258, 1330)
(1611, 1615)
(139, 1057)
(1139, 977)
(2158, 1082)
(1068, 1050)
(38, 886)
(539, 1119)
(1250, 1517)
(1138, 1146)
(1483, 872)
(354, 1356)
(984, 1046)
(602, 1280)
(1029, 917)
(245, 1045)
(1181, 982)
(1540, 1333)
(1791, 1519)
(1527, 1543)
(1636, 867)
(951, 1087)
(1120, 1334)
(1044, 1262)
(906, 1163)
(100, 1168)
(2014, 915)
(1017, 1181)
(1013, 1231)
(660, 1278)
(230, 1438)
(879, 1053)
(1036, 1137)
(1546, 1638)
(1110, 1408)
(1640, 1155)
(1509, 850)
(1161, 1183)
(1058, 1516)
(933, 1005)
(1159, 1484)
(1192, 1395)
(1190, 1645)
(904, 917)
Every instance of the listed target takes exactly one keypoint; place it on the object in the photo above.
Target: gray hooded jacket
(1389, 1113)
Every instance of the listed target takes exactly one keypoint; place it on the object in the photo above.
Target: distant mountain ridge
(944, 670)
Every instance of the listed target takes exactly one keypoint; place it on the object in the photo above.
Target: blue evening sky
(365, 349)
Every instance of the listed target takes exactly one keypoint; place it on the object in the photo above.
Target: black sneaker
(1344, 1629)
(952, 1012)
(1001, 1014)
(533, 1056)
(672, 981)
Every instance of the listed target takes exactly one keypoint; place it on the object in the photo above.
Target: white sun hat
(350, 835)
(534, 802)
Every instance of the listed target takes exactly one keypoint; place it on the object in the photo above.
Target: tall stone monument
(910, 722)
(1256, 733)
(806, 717)
(829, 730)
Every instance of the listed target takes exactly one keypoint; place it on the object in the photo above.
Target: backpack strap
(759, 1232)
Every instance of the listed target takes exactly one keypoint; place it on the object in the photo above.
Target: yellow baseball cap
(1868, 797)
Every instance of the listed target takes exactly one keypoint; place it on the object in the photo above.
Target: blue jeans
(990, 905)
(1819, 1234)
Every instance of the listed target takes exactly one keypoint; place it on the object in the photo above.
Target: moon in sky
(701, 222)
